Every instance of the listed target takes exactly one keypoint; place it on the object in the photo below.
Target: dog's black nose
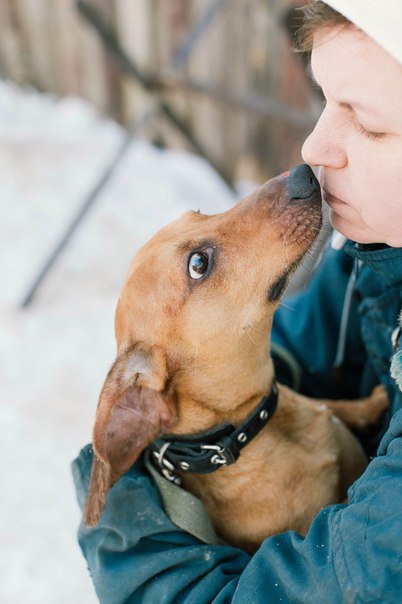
(302, 183)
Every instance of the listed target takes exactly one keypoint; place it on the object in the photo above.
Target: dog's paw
(374, 407)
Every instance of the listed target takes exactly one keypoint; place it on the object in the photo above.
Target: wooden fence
(244, 52)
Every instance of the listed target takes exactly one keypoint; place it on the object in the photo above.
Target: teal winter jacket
(333, 340)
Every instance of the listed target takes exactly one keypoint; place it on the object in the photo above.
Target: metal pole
(180, 57)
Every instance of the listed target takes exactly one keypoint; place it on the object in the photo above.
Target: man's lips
(331, 200)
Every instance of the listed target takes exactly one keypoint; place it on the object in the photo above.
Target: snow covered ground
(55, 354)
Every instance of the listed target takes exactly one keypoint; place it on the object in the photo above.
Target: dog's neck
(230, 401)
(206, 452)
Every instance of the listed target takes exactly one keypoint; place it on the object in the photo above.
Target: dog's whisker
(287, 306)
(175, 245)
(253, 329)
(249, 335)
(196, 359)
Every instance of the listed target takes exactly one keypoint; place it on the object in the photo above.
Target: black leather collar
(206, 452)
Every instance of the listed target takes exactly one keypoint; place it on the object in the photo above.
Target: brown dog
(192, 328)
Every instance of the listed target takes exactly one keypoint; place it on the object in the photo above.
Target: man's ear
(132, 412)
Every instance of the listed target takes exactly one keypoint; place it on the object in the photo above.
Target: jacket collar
(385, 261)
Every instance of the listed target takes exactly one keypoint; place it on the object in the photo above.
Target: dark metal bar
(108, 36)
(88, 203)
(157, 83)
(127, 65)
(268, 107)
(196, 33)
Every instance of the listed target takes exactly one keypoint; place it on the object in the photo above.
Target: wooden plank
(11, 50)
(205, 63)
(35, 26)
(135, 26)
(95, 80)
(66, 44)
(45, 43)
(172, 23)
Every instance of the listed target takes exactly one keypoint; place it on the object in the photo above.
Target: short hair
(316, 15)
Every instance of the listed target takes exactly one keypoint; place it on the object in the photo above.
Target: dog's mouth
(277, 288)
(297, 215)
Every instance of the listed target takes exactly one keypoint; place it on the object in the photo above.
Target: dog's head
(193, 321)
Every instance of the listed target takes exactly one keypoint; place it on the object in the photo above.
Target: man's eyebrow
(349, 105)
(353, 106)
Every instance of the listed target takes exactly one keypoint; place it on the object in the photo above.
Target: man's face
(358, 138)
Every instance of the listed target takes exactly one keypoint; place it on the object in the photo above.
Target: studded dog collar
(208, 451)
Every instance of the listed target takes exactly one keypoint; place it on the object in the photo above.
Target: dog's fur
(194, 353)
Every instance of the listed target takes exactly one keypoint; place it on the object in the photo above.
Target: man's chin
(349, 229)
(361, 234)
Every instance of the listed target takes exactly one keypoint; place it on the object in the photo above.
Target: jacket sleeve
(303, 350)
(352, 553)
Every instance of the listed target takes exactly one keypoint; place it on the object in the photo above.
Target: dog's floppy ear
(131, 413)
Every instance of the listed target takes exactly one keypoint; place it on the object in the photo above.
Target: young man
(353, 552)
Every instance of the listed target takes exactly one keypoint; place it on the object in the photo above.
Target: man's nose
(325, 146)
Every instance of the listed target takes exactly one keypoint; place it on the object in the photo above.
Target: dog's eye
(198, 265)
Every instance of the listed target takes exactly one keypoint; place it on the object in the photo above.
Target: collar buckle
(166, 468)
(219, 457)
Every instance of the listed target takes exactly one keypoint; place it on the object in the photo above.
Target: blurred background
(116, 116)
